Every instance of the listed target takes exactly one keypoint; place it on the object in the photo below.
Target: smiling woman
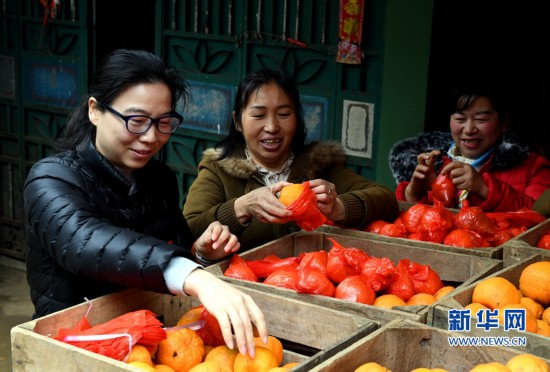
(483, 157)
(266, 146)
(103, 214)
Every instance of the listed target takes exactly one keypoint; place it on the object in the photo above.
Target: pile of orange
(532, 294)
(375, 367)
(387, 301)
(518, 363)
(184, 350)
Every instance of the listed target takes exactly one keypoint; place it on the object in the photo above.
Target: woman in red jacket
(484, 159)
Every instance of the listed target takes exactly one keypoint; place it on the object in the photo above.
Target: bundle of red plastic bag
(305, 212)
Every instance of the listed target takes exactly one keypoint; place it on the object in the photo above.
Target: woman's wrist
(202, 260)
(241, 213)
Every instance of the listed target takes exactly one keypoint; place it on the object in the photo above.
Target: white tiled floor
(15, 304)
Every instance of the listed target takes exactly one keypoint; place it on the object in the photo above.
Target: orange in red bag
(304, 208)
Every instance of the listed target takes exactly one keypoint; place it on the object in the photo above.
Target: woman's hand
(423, 176)
(327, 200)
(263, 205)
(231, 307)
(465, 177)
(216, 242)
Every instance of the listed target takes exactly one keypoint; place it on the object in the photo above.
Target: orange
(210, 366)
(495, 292)
(429, 370)
(546, 315)
(274, 345)
(222, 355)
(278, 369)
(527, 362)
(388, 301)
(290, 193)
(163, 368)
(207, 349)
(262, 361)
(443, 291)
(143, 366)
(543, 328)
(371, 367)
(475, 307)
(291, 365)
(534, 282)
(532, 305)
(139, 353)
(421, 299)
(530, 320)
(490, 367)
(190, 316)
(181, 350)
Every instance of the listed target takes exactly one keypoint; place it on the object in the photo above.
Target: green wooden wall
(45, 68)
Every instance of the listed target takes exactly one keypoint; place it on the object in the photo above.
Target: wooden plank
(402, 345)
(524, 245)
(533, 235)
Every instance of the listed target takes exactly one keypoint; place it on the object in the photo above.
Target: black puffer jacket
(89, 233)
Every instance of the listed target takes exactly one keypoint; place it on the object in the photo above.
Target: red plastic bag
(115, 337)
(524, 217)
(313, 281)
(544, 242)
(375, 226)
(465, 239)
(393, 230)
(343, 262)
(502, 236)
(239, 269)
(435, 223)
(317, 260)
(475, 219)
(444, 191)
(355, 289)
(285, 277)
(411, 217)
(424, 278)
(263, 268)
(401, 284)
(305, 212)
(378, 272)
(210, 332)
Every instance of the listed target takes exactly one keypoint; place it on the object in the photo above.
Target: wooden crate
(455, 269)
(524, 245)
(536, 344)
(402, 346)
(302, 325)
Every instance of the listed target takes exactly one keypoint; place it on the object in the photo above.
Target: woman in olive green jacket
(542, 204)
(238, 180)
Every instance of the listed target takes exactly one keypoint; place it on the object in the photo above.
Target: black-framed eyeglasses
(139, 124)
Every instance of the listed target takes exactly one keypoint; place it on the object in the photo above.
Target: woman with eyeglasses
(103, 215)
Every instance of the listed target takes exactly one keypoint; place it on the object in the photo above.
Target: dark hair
(465, 93)
(120, 70)
(250, 84)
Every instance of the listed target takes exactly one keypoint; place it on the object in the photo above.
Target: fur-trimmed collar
(509, 153)
(313, 159)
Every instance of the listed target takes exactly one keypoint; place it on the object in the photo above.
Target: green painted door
(45, 64)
